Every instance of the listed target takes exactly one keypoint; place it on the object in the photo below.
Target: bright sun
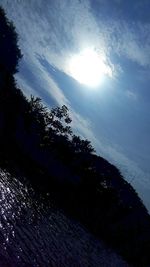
(88, 68)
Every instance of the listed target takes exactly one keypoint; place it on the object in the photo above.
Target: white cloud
(57, 29)
(132, 95)
(28, 90)
(41, 79)
(135, 46)
(130, 40)
(50, 86)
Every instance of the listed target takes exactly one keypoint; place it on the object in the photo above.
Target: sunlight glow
(89, 68)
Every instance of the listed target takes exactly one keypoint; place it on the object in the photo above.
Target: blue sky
(115, 116)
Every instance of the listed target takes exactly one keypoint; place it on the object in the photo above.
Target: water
(33, 234)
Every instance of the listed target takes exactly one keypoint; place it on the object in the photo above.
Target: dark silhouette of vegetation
(8, 43)
(39, 143)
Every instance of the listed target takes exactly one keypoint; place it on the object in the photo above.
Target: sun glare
(88, 68)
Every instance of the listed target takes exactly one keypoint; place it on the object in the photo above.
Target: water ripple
(32, 236)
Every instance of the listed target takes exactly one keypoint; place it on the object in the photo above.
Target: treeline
(40, 144)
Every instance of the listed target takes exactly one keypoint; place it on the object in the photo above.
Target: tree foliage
(80, 145)
(58, 120)
(56, 124)
(9, 50)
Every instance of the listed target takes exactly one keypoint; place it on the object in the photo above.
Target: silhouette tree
(59, 120)
(9, 50)
(80, 145)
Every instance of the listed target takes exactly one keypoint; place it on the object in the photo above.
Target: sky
(115, 114)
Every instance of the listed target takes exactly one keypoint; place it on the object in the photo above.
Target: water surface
(33, 233)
